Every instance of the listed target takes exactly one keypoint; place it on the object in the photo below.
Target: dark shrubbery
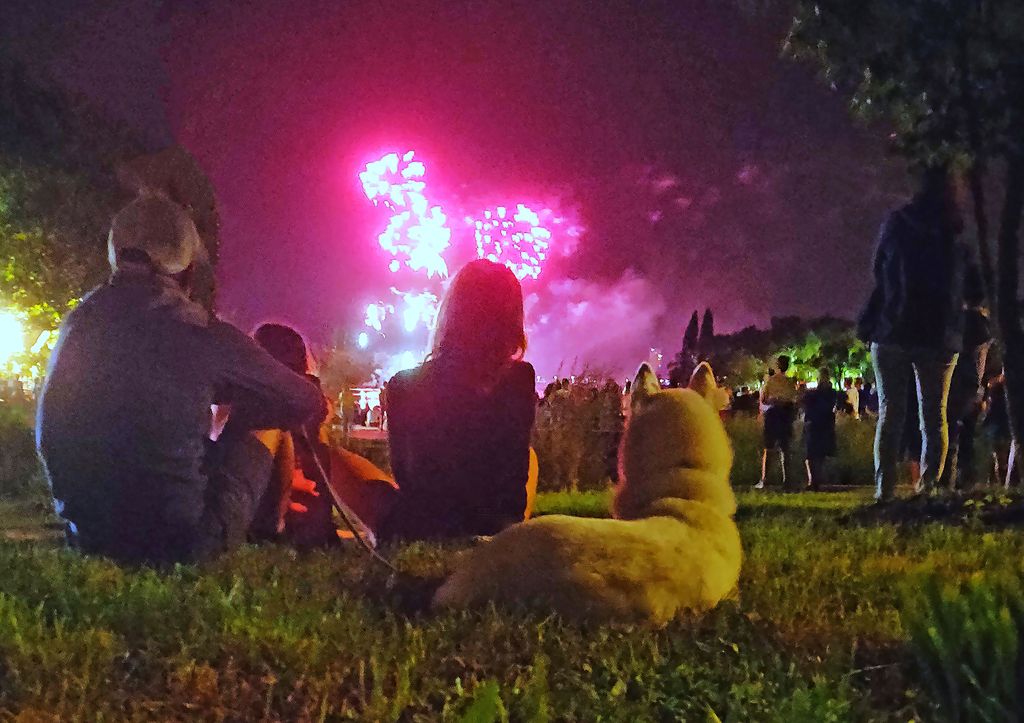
(578, 432)
(576, 437)
(20, 472)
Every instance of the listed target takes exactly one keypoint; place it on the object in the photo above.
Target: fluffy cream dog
(673, 548)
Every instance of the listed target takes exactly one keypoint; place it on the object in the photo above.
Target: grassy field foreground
(814, 634)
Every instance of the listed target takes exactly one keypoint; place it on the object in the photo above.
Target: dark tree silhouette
(706, 341)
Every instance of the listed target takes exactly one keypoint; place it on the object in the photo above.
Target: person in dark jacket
(460, 423)
(125, 415)
(819, 406)
(914, 320)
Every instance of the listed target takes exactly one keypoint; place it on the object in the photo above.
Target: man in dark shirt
(124, 417)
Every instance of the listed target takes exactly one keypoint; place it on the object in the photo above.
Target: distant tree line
(743, 357)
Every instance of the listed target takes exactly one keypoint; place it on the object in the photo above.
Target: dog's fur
(673, 548)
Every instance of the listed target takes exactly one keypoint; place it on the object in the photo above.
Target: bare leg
(1011, 466)
(915, 474)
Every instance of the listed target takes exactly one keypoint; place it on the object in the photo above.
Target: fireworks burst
(519, 238)
(417, 236)
(417, 233)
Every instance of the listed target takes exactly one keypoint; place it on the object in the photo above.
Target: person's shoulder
(519, 375)
(406, 377)
(895, 224)
(224, 332)
(85, 305)
(522, 371)
(402, 381)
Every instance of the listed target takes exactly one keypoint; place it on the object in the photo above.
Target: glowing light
(417, 232)
(12, 337)
(44, 339)
(367, 397)
(522, 242)
(376, 314)
(418, 307)
(400, 363)
(363, 340)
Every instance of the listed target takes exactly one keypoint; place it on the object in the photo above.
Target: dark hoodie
(921, 273)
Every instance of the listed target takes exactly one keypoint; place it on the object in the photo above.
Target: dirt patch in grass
(988, 508)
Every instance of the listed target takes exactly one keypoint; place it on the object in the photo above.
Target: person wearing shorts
(778, 400)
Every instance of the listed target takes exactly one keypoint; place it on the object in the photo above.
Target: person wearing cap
(125, 414)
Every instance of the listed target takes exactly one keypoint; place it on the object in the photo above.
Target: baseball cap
(160, 228)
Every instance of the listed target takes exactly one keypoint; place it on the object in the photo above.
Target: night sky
(705, 170)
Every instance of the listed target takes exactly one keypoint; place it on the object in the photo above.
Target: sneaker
(760, 485)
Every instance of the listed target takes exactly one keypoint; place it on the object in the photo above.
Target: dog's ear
(645, 385)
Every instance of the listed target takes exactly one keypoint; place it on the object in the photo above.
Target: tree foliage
(58, 190)
(743, 358)
(945, 73)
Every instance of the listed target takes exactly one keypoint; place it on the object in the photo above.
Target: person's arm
(869, 317)
(509, 493)
(263, 393)
(399, 429)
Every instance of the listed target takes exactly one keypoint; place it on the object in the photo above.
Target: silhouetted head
(824, 377)
(284, 344)
(783, 362)
(941, 193)
(480, 325)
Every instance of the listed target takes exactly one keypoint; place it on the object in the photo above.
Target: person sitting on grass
(819, 427)
(460, 423)
(125, 415)
(297, 507)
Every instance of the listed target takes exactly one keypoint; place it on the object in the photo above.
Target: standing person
(869, 401)
(819, 406)
(914, 321)
(852, 398)
(778, 398)
(125, 415)
(966, 392)
(997, 428)
(461, 422)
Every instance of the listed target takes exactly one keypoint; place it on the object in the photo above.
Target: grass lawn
(813, 635)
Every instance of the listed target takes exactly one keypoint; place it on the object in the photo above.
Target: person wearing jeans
(932, 372)
(914, 321)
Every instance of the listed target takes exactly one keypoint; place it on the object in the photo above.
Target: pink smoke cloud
(607, 328)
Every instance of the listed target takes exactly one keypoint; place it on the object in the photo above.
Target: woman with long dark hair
(460, 424)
